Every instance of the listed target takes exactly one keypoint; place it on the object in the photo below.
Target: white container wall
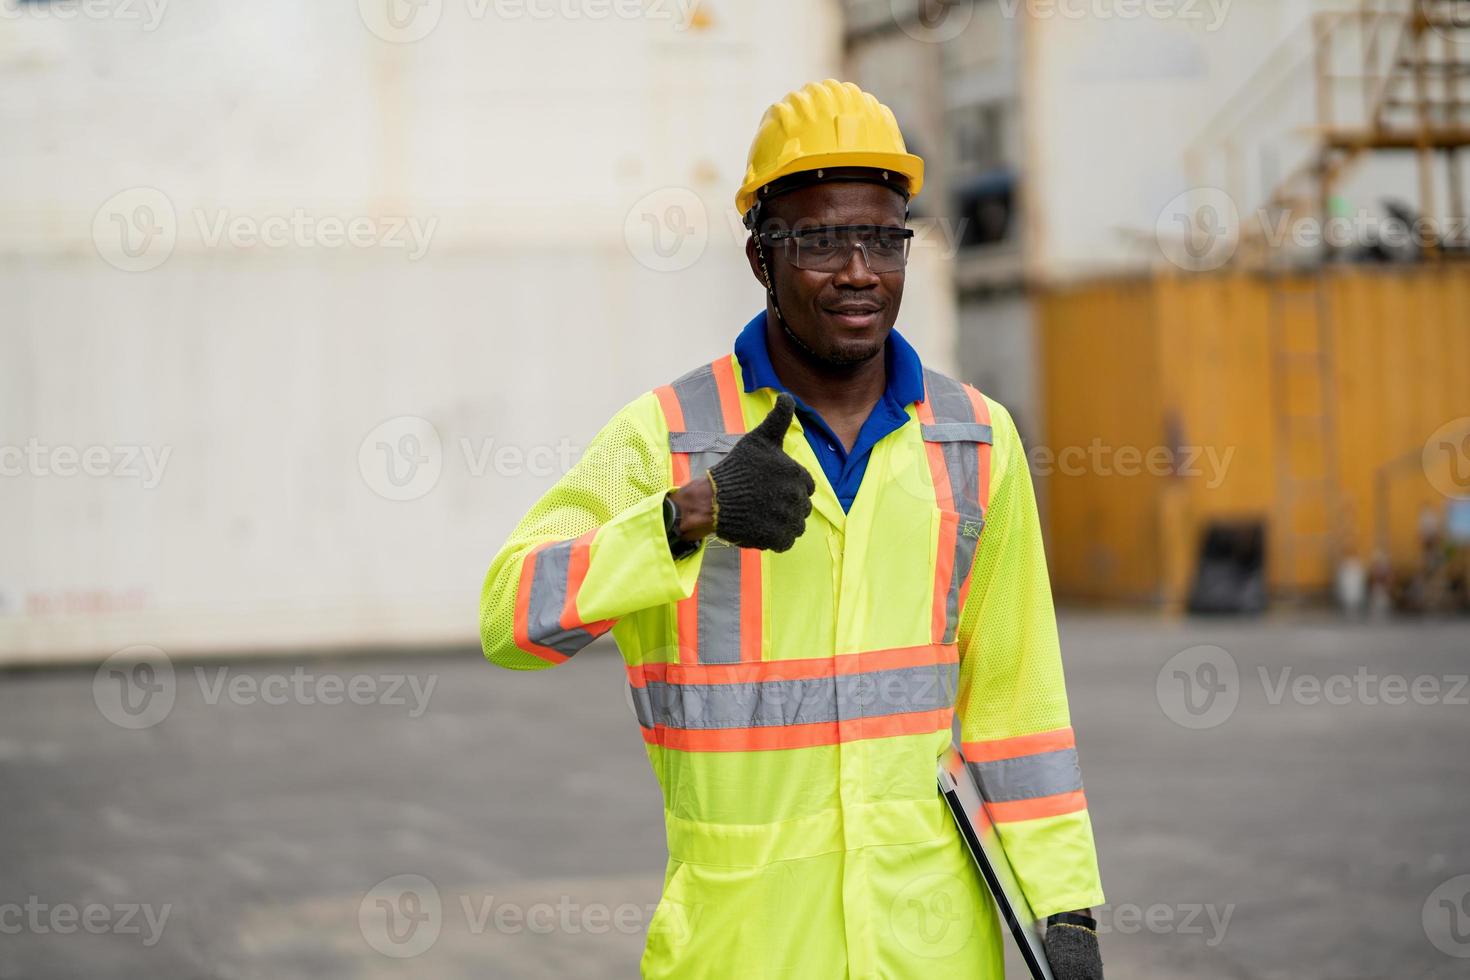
(304, 304)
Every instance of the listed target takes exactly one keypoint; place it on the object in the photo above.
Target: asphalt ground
(1277, 798)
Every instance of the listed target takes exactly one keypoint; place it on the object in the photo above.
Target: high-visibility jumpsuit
(793, 705)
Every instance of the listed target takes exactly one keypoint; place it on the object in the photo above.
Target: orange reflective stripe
(1014, 748)
(547, 624)
(798, 736)
(948, 527)
(578, 561)
(687, 615)
(1045, 806)
(938, 468)
(737, 707)
(752, 631)
(982, 415)
(674, 416)
(794, 670)
(724, 371)
(523, 617)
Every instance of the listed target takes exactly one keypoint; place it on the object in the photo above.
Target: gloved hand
(762, 496)
(1072, 952)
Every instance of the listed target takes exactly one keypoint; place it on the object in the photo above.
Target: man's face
(844, 316)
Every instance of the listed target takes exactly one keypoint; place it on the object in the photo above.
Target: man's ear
(755, 262)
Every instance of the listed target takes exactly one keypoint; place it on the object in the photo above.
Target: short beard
(852, 358)
(835, 359)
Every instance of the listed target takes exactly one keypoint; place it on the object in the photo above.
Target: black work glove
(1072, 952)
(762, 496)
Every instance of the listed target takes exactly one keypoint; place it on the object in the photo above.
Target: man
(812, 552)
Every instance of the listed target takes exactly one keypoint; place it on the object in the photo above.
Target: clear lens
(831, 251)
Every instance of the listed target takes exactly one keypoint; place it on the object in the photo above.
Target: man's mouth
(854, 314)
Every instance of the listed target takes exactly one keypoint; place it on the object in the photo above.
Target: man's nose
(857, 272)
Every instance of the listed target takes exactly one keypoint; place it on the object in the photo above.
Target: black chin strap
(752, 221)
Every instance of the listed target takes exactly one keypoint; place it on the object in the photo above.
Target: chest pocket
(959, 461)
(702, 450)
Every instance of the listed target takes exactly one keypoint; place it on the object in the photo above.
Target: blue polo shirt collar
(844, 469)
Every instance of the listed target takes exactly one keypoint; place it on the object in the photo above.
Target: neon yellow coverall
(793, 705)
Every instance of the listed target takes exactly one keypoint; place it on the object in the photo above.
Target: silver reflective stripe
(956, 432)
(700, 442)
(951, 405)
(719, 605)
(959, 437)
(699, 400)
(699, 397)
(766, 704)
(548, 598)
(1028, 777)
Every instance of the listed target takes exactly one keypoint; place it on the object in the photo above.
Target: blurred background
(303, 305)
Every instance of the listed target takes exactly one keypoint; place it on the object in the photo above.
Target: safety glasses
(829, 249)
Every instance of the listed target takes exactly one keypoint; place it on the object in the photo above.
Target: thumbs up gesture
(761, 495)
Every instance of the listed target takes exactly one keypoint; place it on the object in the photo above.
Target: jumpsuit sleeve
(1016, 733)
(590, 551)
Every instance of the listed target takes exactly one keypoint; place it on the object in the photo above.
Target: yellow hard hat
(826, 124)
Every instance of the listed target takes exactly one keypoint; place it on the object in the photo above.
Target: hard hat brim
(907, 164)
